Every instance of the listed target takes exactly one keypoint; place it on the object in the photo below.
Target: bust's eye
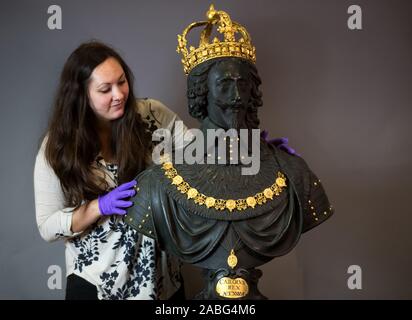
(224, 83)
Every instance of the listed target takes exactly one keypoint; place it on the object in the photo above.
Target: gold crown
(228, 47)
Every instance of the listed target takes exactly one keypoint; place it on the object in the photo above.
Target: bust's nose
(236, 99)
(235, 94)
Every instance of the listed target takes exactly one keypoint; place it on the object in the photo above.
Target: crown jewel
(227, 47)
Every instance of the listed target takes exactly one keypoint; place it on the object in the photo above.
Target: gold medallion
(192, 193)
(251, 201)
(281, 182)
(268, 193)
(177, 180)
(232, 259)
(167, 165)
(210, 202)
(231, 204)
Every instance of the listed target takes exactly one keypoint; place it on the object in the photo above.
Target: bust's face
(230, 88)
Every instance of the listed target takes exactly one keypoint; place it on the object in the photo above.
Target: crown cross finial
(209, 49)
(211, 12)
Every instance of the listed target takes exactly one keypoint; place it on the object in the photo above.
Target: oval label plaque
(232, 288)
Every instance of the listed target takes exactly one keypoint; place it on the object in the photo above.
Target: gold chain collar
(221, 204)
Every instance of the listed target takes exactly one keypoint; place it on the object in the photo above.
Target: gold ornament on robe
(232, 259)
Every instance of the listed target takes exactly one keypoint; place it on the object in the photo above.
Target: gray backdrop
(341, 96)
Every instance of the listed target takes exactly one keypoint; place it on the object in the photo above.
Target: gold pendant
(232, 259)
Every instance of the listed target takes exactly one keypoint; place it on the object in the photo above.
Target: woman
(98, 139)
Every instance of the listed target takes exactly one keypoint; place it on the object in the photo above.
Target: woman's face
(108, 90)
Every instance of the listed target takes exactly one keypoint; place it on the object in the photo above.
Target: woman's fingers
(126, 194)
(127, 185)
(123, 204)
(119, 211)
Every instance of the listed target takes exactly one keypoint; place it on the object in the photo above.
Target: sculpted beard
(238, 111)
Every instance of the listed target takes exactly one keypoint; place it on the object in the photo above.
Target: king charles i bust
(212, 215)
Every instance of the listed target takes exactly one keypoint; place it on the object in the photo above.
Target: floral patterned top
(119, 261)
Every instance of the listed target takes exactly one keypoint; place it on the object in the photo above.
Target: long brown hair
(73, 143)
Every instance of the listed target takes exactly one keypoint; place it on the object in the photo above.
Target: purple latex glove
(280, 143)
(113, 203)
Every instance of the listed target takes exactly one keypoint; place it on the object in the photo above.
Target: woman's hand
(280, 143)
(114, 203)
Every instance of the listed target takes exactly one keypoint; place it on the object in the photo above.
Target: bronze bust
(212, 215)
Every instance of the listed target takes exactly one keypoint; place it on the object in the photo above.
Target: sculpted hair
(72, 140)
(197, 90)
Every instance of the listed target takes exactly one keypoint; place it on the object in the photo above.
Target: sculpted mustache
(235, 105)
